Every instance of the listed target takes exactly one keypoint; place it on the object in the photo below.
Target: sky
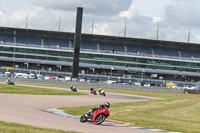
(175, 18)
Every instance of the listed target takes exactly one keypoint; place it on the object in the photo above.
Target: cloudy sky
(142, 17)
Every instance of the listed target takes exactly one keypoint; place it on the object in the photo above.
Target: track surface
(32, 110)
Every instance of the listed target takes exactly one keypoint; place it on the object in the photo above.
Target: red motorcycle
(97, 116)
(94, 92)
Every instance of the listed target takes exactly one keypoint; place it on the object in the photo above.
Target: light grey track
(31, 110)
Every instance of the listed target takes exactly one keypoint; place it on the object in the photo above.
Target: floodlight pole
(77, 42)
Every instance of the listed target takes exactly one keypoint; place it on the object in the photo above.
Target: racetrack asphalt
(32, 110)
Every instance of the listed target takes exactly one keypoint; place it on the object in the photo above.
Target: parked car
(67, 78)
(110, 82)
(21, 75)
(46, 77)
(147, 84)
(39, 76)
(7, 74)
(83, 80)
(174, 86)
(31, 76)
(138, 83)
(189, 87)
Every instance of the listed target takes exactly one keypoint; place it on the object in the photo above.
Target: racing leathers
(101, 106)
(101, 91)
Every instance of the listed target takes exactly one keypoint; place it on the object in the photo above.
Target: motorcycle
(11, 83)
(102, 93)
(74, 89)
(97, 117)
(94, 92)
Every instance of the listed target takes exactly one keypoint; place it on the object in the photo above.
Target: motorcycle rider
(71, 86)
(91, 89)
(101, 106)
(8, 80)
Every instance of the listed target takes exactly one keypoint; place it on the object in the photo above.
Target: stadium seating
(6, 39)
(88, 47)
(61, 43)
(166, 52)
(33, 41)
(139, 50)
(112, 48)
(103, 48)
(28, 40)
(190, 54)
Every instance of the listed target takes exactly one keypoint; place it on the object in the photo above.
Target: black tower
(77, 42)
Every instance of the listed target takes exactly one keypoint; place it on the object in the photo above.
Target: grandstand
(99, 54)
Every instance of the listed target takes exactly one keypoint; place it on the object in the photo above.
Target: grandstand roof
(100, 38)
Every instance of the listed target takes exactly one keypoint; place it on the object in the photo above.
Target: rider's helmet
(107, 104)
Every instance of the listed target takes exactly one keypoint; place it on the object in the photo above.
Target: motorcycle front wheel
(83, 119)
(99, 119)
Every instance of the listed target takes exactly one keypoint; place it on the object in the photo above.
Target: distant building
(51, 50)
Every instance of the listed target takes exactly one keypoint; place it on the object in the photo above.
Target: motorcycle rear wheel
(83, 119)
(99, 119)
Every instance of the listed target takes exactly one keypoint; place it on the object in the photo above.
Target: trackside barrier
(96, 85)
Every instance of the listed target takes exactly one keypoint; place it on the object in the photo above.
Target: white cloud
(195, 37)
(174, 17)
(157, 19)
(130, 13)
(184, 13)
(3, 18)
(103, 7)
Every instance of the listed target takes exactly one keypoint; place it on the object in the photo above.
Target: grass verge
(15, 89)
(18, 128)
(178, 112)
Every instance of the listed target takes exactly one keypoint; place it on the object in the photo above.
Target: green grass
(177, 112)
(15, 89)
(18, 128)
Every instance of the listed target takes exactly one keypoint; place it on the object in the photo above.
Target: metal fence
(96, 85)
